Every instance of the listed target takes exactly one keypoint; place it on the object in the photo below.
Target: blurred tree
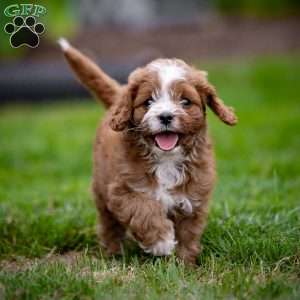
(64, 16)
(95, 12)
(259, 7)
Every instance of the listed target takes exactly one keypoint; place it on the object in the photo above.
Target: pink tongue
(166, 141)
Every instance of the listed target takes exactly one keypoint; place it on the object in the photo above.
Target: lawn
(48, 245)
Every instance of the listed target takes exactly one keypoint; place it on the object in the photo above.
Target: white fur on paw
(163, 247)
(185, 205)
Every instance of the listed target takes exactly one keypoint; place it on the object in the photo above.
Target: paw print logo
(24, 32)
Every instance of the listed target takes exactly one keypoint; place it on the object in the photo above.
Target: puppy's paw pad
(163, 247)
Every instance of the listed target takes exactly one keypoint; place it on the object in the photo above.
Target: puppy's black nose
(165, 118)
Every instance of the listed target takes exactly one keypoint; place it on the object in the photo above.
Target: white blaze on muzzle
(168, 71)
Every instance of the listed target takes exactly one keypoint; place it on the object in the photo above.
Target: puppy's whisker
(135, 129)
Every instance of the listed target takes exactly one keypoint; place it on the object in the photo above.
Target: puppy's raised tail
(90, 75)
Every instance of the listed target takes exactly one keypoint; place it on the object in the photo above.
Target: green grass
(252, 242)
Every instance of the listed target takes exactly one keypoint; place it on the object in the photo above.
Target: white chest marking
(168, 176)
(170, 173)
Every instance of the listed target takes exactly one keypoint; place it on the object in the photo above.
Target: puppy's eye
(185, 102)
(148, 102)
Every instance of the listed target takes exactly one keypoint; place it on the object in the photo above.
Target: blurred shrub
(59, 20)
(259, 7)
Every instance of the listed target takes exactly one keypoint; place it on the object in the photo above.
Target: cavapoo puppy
(154, 168)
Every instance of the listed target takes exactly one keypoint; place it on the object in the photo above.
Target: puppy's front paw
(162, 247)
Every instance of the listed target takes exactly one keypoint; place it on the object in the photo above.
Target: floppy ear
(206, 90)
(225, 113)
(121, 112)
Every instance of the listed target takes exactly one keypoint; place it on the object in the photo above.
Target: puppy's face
(165, 104)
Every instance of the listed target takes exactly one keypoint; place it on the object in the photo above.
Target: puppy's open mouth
(167, 140)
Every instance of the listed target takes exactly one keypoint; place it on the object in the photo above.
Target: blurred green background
(62, 16)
